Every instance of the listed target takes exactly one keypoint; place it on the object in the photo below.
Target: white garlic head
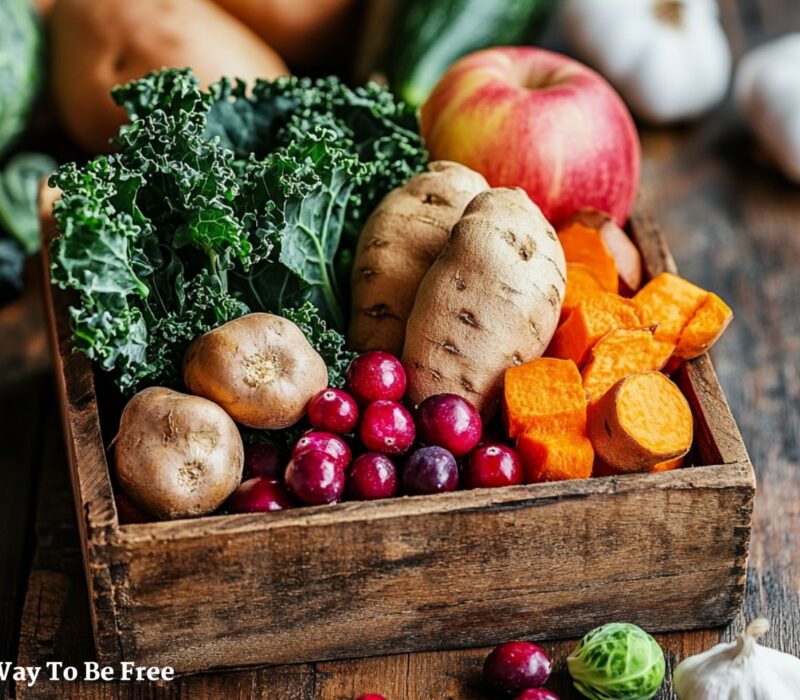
(740, 670)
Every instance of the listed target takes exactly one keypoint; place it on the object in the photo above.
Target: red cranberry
(430, 470)
(371, 476)
(537, 694)
(333, 410)
(371, 696)
(314, 477)
(516, 666)
(128, 513)
(259, 495)
(376, 376)
(386, 427)
(449, 421)
(493, 465)
(264, 459)
(330, 444)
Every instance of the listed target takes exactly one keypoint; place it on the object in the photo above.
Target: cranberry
(315, 477)
(259, 495)
(128, 513)
(330, 444)
(516, 666)
(264, 459)
(371, 476)
(493, 465)
(430, 470)
(376, 376)
(386, 427)
(333, 410)
(371, 696)
(537, 694)
(449, 421)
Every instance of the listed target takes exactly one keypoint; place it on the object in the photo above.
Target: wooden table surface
(734, 227)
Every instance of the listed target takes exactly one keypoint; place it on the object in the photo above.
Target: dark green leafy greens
(221, 202)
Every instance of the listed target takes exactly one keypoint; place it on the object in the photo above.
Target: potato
(97, 44)
(491, 300)
(177, 456)
(302, 31)
(400, 241)
(260, 368)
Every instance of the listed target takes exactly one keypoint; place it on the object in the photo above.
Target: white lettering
(127, 670)
(5, 669)
(55, 669)
(70, 673)
(33, 672)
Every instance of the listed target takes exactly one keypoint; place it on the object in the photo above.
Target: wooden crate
(667, 551)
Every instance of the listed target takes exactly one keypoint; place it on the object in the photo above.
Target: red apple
(530, 118)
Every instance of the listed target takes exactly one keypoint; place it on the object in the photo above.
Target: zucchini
(432, 34)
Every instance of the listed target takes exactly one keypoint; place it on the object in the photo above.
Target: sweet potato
(705, 327)
(581, 285)
(591, 320)
(625, 253)
(557, 458)
(399, 243)
(177, 456)
(545, 408)
(619, 353)
(260, 368)
(585, 246)
(544, 396)
(643, 420)
(490, 301)
(97, 44)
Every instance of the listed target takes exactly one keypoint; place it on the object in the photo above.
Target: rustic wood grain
(734, 227)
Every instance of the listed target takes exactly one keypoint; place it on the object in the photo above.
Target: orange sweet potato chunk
(590, 321)
(669, 302)
(705, 327)
(555, 458)
(619, 353)
(585, 246)
(544, 396)
(581, 285)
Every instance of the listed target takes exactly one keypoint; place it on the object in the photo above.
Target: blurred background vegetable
(19, 191)
(301, 31)
(768, 94)
(429, 35)
(669, 59)
(20, 66)
(97, 45)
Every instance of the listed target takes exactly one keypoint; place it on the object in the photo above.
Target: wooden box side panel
(91, 484)
(664, 557)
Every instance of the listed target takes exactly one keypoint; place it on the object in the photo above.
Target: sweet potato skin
(260, 368)
(490, 301)
(400, 241)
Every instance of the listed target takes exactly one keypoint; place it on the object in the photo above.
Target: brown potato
(260, 368)
(491, 300)
(400, 241)
(177, 456)
(97, 44)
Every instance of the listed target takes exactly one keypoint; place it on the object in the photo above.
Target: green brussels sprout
(618, 661)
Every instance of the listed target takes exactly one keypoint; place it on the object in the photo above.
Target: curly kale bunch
(221, 202)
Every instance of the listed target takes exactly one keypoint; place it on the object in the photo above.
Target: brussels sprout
(618, 661)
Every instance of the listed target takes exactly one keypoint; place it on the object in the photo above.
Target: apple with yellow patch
(538, 120)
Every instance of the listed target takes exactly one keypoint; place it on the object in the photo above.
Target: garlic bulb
(740, 670)
(669, 59)
(768, 93)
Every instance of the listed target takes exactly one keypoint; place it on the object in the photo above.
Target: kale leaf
(219, 202)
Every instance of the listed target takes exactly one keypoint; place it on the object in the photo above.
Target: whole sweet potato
(491, 300)
(400, 241)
